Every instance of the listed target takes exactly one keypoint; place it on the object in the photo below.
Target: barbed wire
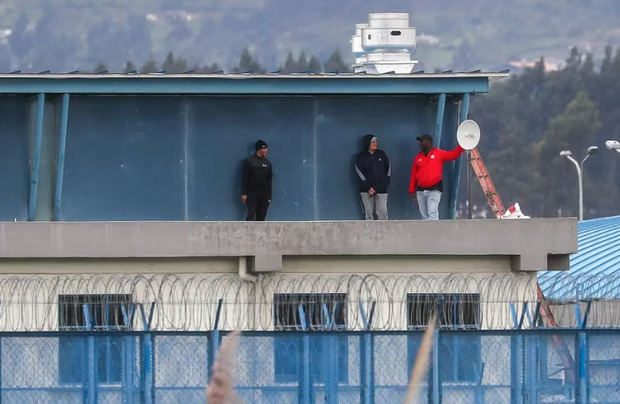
(190, 302)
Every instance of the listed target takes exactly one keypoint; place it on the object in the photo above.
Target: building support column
(60, 165)
(456, 172)
(36, 157)
(441, 107)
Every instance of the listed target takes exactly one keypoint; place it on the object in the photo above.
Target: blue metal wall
(14, 165)
(179, 157)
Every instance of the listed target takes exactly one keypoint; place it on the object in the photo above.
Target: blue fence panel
(317, 367)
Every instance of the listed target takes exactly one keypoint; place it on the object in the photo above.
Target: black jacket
(373, 170)
(256, 177)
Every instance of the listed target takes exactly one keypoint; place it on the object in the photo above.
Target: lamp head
(566, 153)
(592, 150)
(613, 145)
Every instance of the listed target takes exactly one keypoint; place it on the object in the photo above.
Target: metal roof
(247, 83)
(276, 75)
(594, 269)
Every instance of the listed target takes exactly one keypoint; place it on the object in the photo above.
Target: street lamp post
(569, 155)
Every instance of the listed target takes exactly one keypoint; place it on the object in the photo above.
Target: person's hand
(411, 195)
(371, 191)
(244, 199)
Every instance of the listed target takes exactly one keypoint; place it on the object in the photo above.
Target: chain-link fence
(527, 366)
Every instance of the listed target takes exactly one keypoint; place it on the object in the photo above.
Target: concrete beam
(529, 243)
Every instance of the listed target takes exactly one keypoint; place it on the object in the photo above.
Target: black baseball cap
(424, 137)
(260, 144)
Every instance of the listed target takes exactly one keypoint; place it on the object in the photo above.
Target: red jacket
(426, 169)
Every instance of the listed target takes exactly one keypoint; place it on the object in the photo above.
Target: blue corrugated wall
(179, 157)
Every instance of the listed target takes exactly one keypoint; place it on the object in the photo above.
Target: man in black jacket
(374, 171)
(256, 183)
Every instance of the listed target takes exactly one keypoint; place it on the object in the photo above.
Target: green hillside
(78, 34)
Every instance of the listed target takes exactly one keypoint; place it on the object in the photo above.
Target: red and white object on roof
(514, 212)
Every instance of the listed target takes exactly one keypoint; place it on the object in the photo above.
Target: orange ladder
(486, 183)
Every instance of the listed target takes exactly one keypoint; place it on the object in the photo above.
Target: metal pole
(583, 368)
(435, 370)
(36, 157)
(580, 173)
(148, 368)
(580, 180)
(441, 106)
(516, 369)
(367, 362)
(469, 207)
(128, 366)
(92, 371)
(62, 142)
(305, 382)
(330, 347)
(456, 174)
(214, 340)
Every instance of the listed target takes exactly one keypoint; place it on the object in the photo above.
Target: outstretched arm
(452, 154)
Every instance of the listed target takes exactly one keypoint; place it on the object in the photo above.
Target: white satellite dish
(468, 134)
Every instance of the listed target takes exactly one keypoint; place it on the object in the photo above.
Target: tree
(302, 62)
(314, 66)
(129, 67)
(574, 129)
(532, 116)
(172, 65)
(336, 64)
(606, 64)
(290, 65)
(513, 182)
(208, 68)
(247, 63)
(149, 67)
(100, 68)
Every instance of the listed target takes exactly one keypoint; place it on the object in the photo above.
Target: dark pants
(257, 207)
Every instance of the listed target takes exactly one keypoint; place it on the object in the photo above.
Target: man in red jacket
(426, 183)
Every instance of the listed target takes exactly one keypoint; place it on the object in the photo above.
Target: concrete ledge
(528, 242)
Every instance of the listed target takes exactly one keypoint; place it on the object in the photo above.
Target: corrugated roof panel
(594, 269)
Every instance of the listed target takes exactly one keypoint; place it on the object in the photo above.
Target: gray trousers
(428, 201)
(375, 205)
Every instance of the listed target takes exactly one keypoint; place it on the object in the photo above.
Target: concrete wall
(531, 245)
